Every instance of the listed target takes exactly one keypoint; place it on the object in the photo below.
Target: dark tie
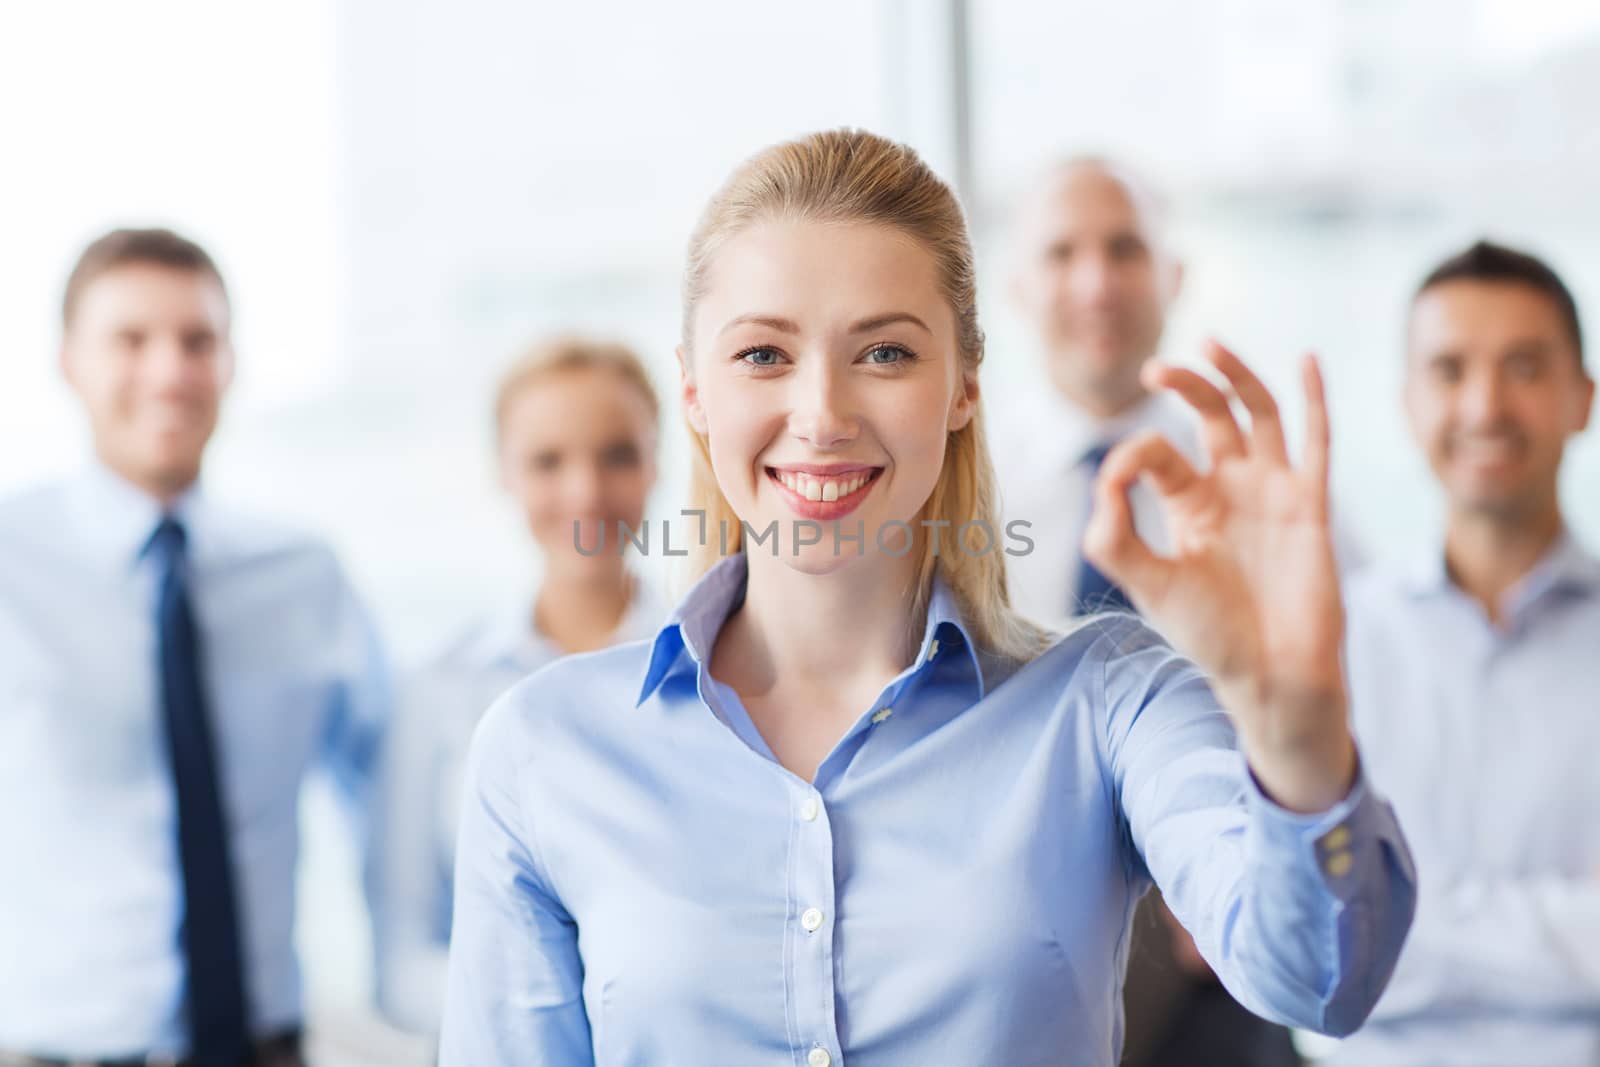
(215, 979)
(1095, 592)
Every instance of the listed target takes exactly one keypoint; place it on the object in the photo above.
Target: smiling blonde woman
(845, 806)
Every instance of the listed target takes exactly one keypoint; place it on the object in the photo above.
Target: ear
(690, 393)
(502, 465)
(65, 362)
(1408, 406)
(964, 404)
(230, 363)
(1585, 405)
(1175, 277)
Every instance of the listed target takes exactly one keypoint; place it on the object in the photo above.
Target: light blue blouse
(639, 881)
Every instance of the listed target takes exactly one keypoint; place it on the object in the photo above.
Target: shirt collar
(509, 636)
(1565, 567)
(115, 518)
(1070, 432)
(691, 630)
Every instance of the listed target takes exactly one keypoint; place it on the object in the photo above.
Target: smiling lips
(824, 493)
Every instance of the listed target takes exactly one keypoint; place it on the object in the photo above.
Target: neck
(581, 612)
(1488, 554)
(839, 631)
(164, 487)
(1099, 400)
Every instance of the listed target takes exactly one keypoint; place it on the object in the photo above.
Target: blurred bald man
(1095, 277)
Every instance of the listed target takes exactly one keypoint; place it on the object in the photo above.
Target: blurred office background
(402, 192)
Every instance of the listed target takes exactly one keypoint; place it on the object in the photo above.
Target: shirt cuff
(1340, 844)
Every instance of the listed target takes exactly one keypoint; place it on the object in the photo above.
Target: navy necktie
(215, 978)
(1094, 591)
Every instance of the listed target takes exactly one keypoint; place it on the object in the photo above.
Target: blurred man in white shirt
(1096, 276)
(1475, 688)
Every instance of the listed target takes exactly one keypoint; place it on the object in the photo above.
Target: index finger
(1266, 428)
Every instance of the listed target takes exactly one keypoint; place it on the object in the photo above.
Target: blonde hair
(855, 176)
(557, 355)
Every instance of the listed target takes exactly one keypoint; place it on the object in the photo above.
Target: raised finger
(1266, 428)
(1219, 429)
(1149, 454)
(1318, 433)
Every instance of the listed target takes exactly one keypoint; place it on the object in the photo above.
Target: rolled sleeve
(1345, 873)
(1301, 916)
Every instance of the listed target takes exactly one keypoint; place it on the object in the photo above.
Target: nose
(582, 487)
(1483, 397)
(1091, 279)
(822, 411)
(169, 368)
(164, 359)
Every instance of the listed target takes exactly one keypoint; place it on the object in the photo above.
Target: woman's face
(578, 447)
(826, 377)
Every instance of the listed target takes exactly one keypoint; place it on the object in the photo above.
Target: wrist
(1304, 771)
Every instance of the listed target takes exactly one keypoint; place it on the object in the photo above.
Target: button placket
(813, 915)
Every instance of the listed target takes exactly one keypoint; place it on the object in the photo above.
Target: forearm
(1301, 915)
(1300, 747)
(1312, 930)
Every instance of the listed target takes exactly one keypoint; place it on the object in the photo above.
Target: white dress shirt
(91, 899)
(1487, 740)
(1039, 451)
(422, 778)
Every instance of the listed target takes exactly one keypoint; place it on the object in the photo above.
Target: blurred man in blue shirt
(170, 668)
(1476, 687)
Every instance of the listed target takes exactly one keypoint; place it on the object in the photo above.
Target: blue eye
(760, 357)
(888, 355)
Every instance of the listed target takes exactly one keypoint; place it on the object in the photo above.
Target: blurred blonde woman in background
(576, 426)
(845, 806)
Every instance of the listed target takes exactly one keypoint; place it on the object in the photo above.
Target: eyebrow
(878, 322)
(782, 325)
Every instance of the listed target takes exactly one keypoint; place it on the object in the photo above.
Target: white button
(810, 809)
(811, 919)
(818, 1057)
(879, 716)
(933, 649)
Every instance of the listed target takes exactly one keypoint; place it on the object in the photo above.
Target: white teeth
(822, 489)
